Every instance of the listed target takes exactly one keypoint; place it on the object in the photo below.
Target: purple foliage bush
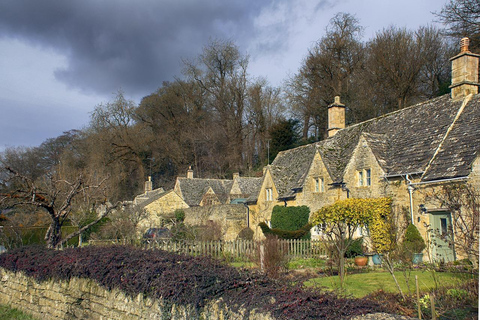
(182, 279)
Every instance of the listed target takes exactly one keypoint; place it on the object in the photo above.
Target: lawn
(7, 313)
(359, 285)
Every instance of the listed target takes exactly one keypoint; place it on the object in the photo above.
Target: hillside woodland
(218, 119)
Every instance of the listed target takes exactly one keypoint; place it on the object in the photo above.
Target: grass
(242, 264)
(7, 313)
(305, 263)
(360, 285)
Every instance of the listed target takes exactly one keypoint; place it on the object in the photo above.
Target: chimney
(236, 175)
(464, 72)
(148, 185)
(190, 173)
(336, 117)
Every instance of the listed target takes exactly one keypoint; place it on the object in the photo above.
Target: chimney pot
(464, 43)
(190, 173)
(236, 175)
(148, 184)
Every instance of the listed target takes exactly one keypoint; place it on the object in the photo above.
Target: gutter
(439, 181)
(397, 175)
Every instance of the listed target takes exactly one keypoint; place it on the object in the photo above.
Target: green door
(441, 236)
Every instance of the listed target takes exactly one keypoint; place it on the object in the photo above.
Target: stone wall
(231, 217)
(85, 299)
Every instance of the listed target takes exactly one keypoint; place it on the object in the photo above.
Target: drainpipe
(344, 188)
(248, 214)
(410, 189)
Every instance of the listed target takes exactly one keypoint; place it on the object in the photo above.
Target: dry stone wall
(85, 299)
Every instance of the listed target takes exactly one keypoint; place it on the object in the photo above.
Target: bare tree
(327, 71)
(395, 61)
(119, 144)
(221, 71)
(462, 18)
(56, 196)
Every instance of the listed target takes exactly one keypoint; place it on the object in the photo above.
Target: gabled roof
(148, 197)
(250, 186)
(380, 146)
(460, 147)
(404, 141)
(192, 190)
(290, 167)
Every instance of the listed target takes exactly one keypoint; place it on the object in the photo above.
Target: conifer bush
(413, 241)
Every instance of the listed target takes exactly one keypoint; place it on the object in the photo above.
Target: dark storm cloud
(133, 45)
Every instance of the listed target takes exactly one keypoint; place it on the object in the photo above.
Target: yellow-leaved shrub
(374, 213)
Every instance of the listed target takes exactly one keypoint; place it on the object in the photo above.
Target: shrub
(413, 241)
(273, 257)
(290, 218)
(182, 280)
(355, 248)
(179, 215)
(246, 234)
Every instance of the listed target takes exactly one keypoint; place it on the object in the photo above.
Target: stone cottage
(409, 155)
(204, 201)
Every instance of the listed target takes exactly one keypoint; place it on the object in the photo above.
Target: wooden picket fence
(237, 249)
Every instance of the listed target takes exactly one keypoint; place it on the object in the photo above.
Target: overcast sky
(59, 59)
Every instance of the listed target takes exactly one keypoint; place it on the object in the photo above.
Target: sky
(60, 59)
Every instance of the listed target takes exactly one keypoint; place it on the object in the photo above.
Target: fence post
(262, 257)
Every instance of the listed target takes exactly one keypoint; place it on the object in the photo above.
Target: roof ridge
(390, 114)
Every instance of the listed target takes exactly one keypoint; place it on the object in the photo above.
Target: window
(443, 225)
(360, 178)
(368, 177)
(364, 178)
(319, 185)
(269, 194)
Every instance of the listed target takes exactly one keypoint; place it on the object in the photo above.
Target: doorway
(441, 236)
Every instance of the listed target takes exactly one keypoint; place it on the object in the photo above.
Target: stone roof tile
(193, 189)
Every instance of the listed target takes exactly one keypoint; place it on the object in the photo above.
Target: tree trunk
(54, 233)
(391, 270)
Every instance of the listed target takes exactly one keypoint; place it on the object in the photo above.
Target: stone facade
(317, 191)
(161, 208)
(261, 209)
(85, 299)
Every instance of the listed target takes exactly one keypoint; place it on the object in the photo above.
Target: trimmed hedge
(182, 279)
(290, 218)
(286, 220)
